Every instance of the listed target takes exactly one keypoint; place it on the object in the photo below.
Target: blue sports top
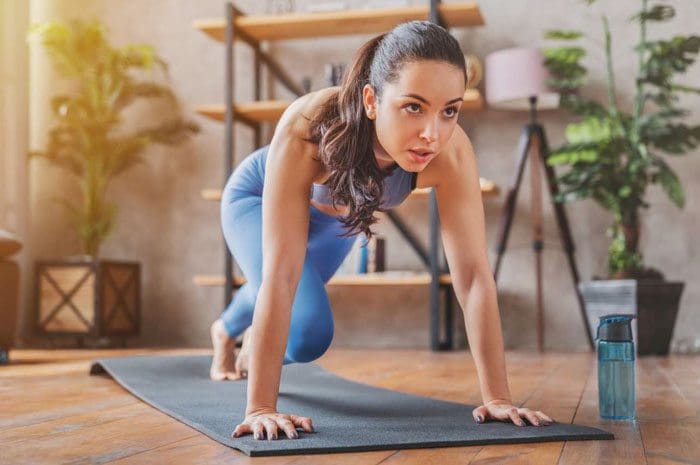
(397, 186)
(249, 176)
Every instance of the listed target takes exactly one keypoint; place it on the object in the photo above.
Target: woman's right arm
(289, 174)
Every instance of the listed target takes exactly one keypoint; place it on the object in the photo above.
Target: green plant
(86, 139)
(613, 155)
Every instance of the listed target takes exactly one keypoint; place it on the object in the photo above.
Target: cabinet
(254, 30)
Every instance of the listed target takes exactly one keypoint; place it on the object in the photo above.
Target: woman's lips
(419, 157)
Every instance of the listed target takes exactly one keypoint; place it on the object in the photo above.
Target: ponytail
(344, 135)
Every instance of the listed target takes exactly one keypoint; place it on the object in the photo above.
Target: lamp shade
(514, 75)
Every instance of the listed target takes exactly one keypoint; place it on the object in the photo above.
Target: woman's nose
(429, 135)
(429, 132)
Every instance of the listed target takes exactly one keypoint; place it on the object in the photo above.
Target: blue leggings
(311, 326)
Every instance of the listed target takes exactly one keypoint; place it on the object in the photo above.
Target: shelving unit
(256, 29)
(488, 188)
(335, 23)
(271, 110)
(385, 278)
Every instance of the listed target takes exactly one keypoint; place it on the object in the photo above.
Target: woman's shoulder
(292, 132)
(295, 124)
(299, 114)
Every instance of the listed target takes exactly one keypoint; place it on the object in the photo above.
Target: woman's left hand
(503, 410)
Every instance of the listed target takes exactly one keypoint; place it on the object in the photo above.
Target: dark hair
(344, 133)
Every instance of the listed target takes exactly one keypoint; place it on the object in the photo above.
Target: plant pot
(86, 297)
(9, 294)
(654, 302)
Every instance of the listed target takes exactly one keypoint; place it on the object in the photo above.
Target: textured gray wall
(165, 224)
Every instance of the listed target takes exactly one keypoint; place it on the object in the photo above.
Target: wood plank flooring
(52, 411)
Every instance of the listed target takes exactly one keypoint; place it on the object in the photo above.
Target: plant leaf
(669, 137)
(582, 106)
(134, 90)
(670, 183)
(656, 13)
(590, 130)
(667, 57)
(559, 34)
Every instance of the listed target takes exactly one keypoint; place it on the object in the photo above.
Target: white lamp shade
(515, 75)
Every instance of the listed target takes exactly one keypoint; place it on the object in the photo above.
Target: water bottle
(364, 256)
(616, 374)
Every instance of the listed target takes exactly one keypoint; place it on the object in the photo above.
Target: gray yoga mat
(347, 416)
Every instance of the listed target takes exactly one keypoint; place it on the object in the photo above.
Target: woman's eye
(415, 108)
(413, 105)
(452, 111)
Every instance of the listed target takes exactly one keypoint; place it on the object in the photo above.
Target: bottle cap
(615, 327)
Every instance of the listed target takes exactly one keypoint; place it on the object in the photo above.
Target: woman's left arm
(464, 238)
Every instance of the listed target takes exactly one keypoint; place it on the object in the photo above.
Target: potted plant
(613, 154)
(87, 295)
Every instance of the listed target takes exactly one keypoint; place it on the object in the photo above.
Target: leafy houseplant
(89, 141)
(612, 154)
(85, 139)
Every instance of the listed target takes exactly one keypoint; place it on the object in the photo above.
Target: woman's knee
(308, 344)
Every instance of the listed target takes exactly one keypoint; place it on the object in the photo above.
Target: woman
(337, 156)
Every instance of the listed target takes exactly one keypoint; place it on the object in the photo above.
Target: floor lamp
(516, 80)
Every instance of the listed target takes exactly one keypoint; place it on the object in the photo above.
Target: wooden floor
(52, 411)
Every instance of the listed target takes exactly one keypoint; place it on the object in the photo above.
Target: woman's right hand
(268, 421)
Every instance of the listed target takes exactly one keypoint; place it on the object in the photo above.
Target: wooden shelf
(271, 110)
(488, 189)
(306, 25)
(385, 278)
(262, 111)
(216, 280)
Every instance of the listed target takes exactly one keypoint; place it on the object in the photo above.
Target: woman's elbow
(478, 275)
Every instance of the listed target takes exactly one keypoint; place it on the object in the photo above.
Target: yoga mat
(347, 416)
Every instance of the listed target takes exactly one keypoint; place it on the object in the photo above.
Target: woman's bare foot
(223, 365)
(243, 355)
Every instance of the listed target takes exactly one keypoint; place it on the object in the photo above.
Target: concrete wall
(165, 224)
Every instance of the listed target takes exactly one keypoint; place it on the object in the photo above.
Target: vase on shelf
(333, 74)
(322, 6)
(379, 4)
(372, 255)
(279, 7)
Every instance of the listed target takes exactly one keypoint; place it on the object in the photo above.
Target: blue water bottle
(364, 256)
(616, 375)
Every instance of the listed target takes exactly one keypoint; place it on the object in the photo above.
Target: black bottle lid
(615, 327)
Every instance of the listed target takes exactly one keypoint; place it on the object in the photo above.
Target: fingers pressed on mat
(288, 428)
(270, 428)
(515, 417)
(480, 414)
(303, 422)
(242, 429)
(532, 418)
(258, 430)
(544, 417)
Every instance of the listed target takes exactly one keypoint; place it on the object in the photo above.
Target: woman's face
(415, 115)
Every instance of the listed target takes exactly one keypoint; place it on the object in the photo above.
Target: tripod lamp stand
(516, 80)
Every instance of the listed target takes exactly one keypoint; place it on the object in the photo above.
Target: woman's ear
(369, 101)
